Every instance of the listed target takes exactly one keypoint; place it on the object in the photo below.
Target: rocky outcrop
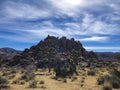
(52, 50)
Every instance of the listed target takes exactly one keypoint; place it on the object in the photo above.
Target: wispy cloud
(32, 20)
(102, 49)
(95, 39)
(24, 11)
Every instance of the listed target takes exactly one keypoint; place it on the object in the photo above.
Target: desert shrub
(73, 79)
(107, 88)
(65, 81)
(53, 77)
(15, 82)
(22, 82)
(118, 56)
(11, 76)
(91, 72)
(113, 80)
(82, 81)
(83, 78)
(83, 74)
(42, 82)
(24, 77)
(28, 73)
(64, 69)
(82, 85)
(33, 84)
(115, 84)
(27, 76)
(116, 73)
(14, 70)
(102, 79)
(3, 80)
(3, 83)
(5, 74)
(43, 87)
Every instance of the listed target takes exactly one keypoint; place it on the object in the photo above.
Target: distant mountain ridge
(107, 55)
(6, 52)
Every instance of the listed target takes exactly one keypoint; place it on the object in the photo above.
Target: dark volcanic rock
(51, 51)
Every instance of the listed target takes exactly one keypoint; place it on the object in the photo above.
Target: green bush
(64, 69)
(3, 83)
(91, 72)
(15, 82)
(42, 82)
(100, 80)
(107, 88)
(116, 73)
(113, 80)
(33, 84)
(115, 84)
(73, 79)
(65, 81)
(27, 76)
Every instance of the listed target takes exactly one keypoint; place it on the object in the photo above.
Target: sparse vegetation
(73, 79)
(33, 84)
(91, 72)
(107, 88)
(64, 60)
(118, 56)
(42, 82)
(15, 82)
(64, 69)
(114, 81)
(28, 74)
(3, 83)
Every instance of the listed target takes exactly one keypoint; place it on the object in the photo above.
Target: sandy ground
(83, 82)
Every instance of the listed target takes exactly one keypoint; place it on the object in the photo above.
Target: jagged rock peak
(53, 49)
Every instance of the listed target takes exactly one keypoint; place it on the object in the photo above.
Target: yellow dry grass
(82, 82)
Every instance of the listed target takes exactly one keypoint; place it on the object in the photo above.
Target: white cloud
(100, 27)
(24, 11)
(95, 39)
(74, 8)
(40, 31)
(93, 26)
(103, 49)
(86, 23)
(66, 7)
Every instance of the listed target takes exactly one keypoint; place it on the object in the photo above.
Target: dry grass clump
(43, 87)
(11, 76)
(27, 75)
(113, 80)
(33, 84)
(3, 83)
(65, 80)
(15, 82)
(107, 86)
(41, 82)
(91, 72)
(73, 79)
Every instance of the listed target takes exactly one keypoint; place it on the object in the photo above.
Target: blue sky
(96, 23)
